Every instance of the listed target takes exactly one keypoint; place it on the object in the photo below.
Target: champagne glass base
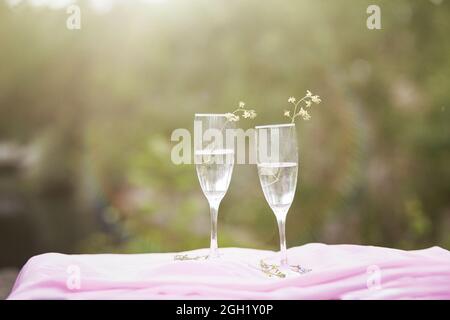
(215, 255)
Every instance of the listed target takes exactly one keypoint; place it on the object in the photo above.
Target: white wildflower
(241, 104)
(291, 100)
(232, 117)
(308, 94)
(287, 113)
(304, 114)
(316, 99)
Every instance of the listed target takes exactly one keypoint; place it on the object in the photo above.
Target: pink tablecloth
(338, 272)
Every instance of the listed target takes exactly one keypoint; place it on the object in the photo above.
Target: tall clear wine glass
(214, 162)
(277, 161)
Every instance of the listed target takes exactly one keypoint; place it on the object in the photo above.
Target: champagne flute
(278, 173)
(214, 164)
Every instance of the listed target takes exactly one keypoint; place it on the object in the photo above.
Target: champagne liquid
(278, 181)
(214, 169)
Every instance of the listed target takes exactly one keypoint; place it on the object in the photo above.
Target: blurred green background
(86, 117)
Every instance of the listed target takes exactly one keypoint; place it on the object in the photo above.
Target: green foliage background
(94, 110)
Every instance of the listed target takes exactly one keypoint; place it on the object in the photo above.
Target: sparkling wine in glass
(214, 163)
(277, 161)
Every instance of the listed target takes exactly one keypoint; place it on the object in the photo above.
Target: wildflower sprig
(184, 257)
(301, 106)
(245, 113)
(234, 117)
(272, 270)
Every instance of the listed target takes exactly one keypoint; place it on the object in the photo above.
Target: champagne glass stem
(283, 252)
(214, 208)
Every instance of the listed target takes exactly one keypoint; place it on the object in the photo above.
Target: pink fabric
(338, 272)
